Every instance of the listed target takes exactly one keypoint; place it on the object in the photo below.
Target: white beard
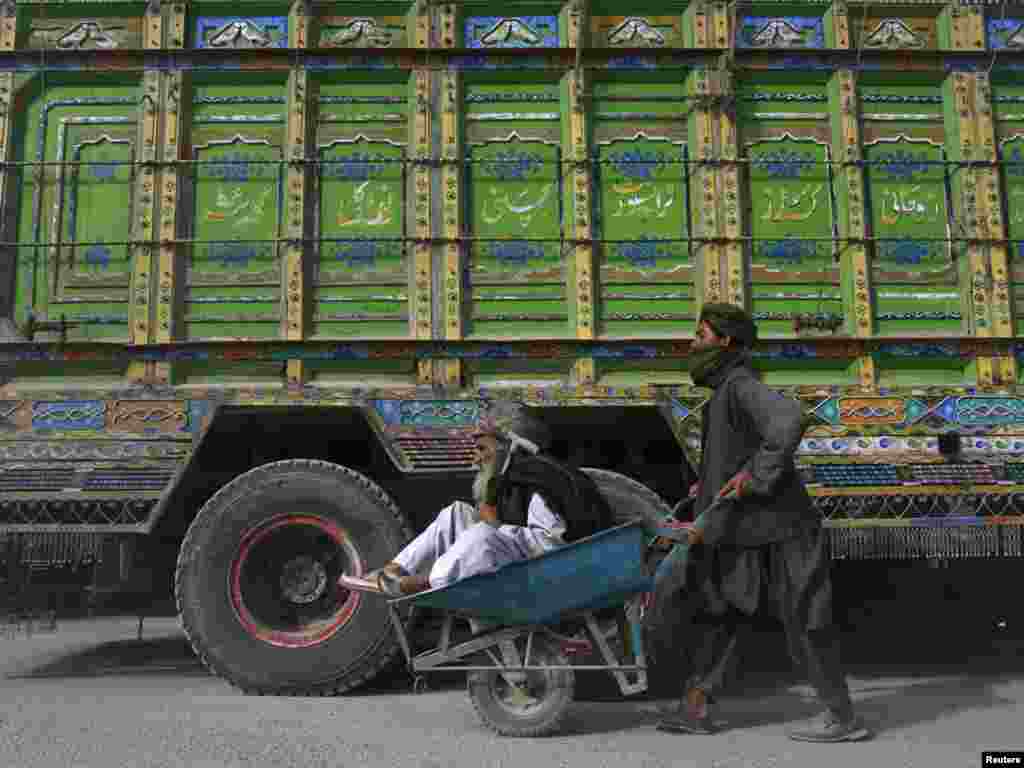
(486, 472)
(483, 476)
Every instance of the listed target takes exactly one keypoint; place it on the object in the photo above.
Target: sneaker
(828, 729)
(686, 720)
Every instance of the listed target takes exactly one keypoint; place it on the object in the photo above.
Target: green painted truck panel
(429, 205)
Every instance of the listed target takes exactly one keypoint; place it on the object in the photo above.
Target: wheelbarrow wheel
(535, 706)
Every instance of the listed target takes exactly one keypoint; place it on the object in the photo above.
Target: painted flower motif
(357, 166)
(514, 165)
(902, 164)
(637, 164)
(362, 253)
(782, 164)
(104, 169)
(98, 256)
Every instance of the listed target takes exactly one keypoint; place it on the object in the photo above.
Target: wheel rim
(284, 581)
(533, 696)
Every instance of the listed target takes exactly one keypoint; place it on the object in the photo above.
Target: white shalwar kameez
(458, 544)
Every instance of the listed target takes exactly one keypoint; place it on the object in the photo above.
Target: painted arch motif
(76, 261)
(916, 279)
(643, 203)
(362, 203)
(1011, 151)
(515, 209)
(791, 202)
(233, 193)
(237, 188)
(103, 183)
(642, 214)
(909, 201)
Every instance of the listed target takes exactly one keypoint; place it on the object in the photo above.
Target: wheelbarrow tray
(600, 571)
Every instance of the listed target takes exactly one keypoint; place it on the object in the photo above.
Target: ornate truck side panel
(465, 200)
(89, 463)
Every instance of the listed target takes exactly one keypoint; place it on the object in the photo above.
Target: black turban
(730, 320)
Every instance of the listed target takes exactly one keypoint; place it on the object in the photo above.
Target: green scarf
(709, 366)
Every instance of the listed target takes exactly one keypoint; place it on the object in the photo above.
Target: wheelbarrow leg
(403, 640)
(613, 663)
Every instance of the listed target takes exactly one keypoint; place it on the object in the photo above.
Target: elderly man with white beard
(526, 504)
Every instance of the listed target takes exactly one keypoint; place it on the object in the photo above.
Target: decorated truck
(260, 271)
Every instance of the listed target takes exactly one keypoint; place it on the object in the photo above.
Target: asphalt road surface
(91, 695)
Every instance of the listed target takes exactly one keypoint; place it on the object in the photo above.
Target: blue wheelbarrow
(517, 653)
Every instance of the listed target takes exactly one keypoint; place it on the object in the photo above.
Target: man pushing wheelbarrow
(757, 540)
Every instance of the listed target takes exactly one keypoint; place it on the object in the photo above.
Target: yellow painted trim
(6, 116)
(848, 149)
(580, 175)
(452, 184)
(167, 280)
(991, 224)
(702, 22)
(294, 272)
(298, 25)
(153, 28)
(721, 16)
(8, 26)
(422, 219)
(705, 177)
(730, 209)
(176, 38)
(583, 229)
(585, 371)
(421, 293)
(142, 279)
(422, 24)
(841, 25)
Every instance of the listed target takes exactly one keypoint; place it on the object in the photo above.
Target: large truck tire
(256, 581)
(629, 498)
(665, 641)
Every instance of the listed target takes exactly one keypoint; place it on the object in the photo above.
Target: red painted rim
(315, 632)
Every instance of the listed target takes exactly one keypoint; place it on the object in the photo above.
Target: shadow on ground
(169, 656)
(971, 658)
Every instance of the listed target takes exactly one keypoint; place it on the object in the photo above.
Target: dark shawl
(768, 550)
(567, 491)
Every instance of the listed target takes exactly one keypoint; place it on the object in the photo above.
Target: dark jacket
(568, 492)
(747, 425)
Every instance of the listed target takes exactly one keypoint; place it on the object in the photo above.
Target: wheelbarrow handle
(677, 531)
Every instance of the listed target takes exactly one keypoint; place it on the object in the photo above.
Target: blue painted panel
(511, 32)
(1006, 34)
(429, 413)
(237, 32)
(987, 411)
(69, 414)
(781, 32)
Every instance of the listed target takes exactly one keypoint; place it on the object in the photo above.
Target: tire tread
(380, 656)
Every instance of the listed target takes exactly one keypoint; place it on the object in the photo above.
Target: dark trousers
(816, 650)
